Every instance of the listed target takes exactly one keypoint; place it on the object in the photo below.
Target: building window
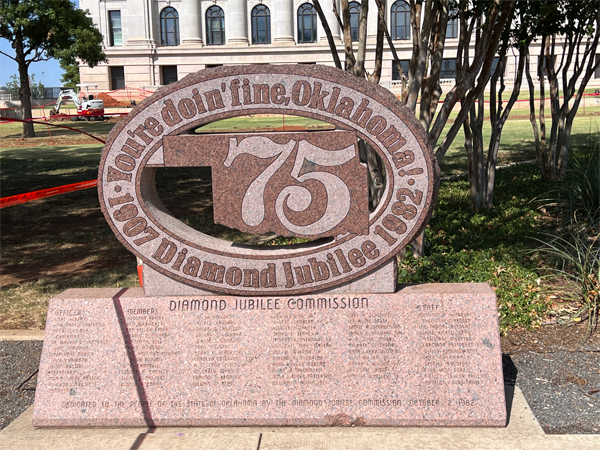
(169, 74)
(400, 20)
(117, 77)
(115, 30)
(215, 26)
(495, 63)
(169, 26)
(404, 63)
(307, 24)
(542, 65)
(261, 25)
(354, 8)
(452, 26)
(597, 73)
(448, 69)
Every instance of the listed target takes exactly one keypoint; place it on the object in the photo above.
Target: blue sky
(8, 67)
(51, 69)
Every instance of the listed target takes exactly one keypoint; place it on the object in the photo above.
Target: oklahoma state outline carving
(308, 184)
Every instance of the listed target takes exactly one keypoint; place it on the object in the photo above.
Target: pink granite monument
(230, 334)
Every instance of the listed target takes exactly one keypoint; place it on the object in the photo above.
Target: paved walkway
(523, 432)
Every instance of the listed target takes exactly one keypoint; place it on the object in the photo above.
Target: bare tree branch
(375, 77)
(337, 14)
(330, 40)
(350, 61)
(8, 56)
(359, 67)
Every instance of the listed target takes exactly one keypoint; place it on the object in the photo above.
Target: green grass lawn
(263, 123)
(517, 142)
(12, 130)
(64, 242)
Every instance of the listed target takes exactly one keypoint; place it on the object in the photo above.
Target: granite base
(380, 281)
(427, 355)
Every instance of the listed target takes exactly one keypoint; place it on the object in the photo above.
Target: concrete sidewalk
(523, 432)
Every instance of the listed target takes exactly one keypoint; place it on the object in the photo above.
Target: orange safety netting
(35, 195)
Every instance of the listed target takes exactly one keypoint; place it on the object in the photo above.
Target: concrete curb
(523, 432)
(22, 335)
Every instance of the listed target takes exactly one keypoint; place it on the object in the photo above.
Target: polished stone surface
(380, 281)
(312, 185)
(523, 433)
(428, 355)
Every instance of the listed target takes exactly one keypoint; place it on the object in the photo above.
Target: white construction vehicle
(88, 108)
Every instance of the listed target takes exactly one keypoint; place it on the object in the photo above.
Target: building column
(372, 21)
(140, 15)
(190, 18)
(282, 22)
(236, 23)
(334, 26)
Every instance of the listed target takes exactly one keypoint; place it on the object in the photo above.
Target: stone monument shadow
(133, 362)
(510, 380)
(143, 397)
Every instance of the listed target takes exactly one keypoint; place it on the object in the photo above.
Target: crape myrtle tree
(569, 32)
(482, 24)
(482, 158)
(482, 27)
(482, 167)
(421, 91)
(39, 30)
(354, 62)
(70, 77)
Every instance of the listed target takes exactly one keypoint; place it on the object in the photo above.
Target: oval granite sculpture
(306, 184)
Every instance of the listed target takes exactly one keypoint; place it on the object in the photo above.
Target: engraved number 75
(297, 198)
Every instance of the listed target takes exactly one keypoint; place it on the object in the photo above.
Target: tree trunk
(473, 129)
(375, 77)
(564, 141)
(539, 150)
(498, 118)
(546, 155)
(431, 90)
(24, 90)
(350, 60)
(330, 41)
(359, 67)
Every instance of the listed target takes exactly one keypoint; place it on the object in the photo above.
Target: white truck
(88, 108)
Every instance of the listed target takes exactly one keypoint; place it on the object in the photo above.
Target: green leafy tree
(70, 77)
(570, 34)
(39, 30)
(13, 86)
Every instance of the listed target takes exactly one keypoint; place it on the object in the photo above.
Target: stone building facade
(150, 43)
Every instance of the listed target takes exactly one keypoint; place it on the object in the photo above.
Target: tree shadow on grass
(513, 221)
(47, 167)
